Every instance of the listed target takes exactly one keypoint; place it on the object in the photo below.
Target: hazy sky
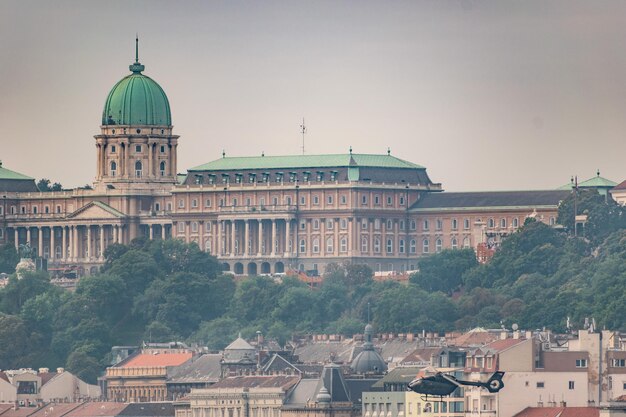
(487, 95)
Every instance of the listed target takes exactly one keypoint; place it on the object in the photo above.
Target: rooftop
(156, 359)
(279, 381)
(490, 199)
(559, 412)
(306, 161)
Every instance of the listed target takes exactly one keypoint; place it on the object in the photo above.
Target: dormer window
(306, 175)
(252, 178)
(293, 176)
(333, 175)
(225, 178)
(238, 178)
(211, 178)
(279, 177)
(320, 176)
(266, 177)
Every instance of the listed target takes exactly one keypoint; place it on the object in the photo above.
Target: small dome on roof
(368, 361)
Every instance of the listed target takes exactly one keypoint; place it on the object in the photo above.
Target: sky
(487, 95)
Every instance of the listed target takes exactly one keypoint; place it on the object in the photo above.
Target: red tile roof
(559, 412)
(55, 410)
(158, 359)
(96, 409)
(503, 344)
(473, 338)
(620, 186)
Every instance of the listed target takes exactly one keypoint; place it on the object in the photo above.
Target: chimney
(60, 370)
(259, 339)
(503, 335)
(563, 404)
(516, 334)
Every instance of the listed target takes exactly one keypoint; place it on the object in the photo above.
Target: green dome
(137, 100)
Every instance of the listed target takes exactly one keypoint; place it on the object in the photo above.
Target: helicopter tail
(495, 384)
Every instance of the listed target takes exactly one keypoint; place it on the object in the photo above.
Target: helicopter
(441, 385)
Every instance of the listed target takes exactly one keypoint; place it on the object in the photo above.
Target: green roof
(7, 174)
(595, 182)
(306, 161)
(137, 100)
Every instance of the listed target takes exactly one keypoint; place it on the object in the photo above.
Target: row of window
(138, 168)
(138, 131)
(266, 177)
(35, 210)
(138, 149)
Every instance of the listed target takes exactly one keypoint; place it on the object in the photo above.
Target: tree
(604, 216)
(19, 291)
(444, 271)
(218, 333)
(15, 343)
(83, 366)
(44, 186)
(8, 259)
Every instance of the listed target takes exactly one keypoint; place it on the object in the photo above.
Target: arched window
(466, 242)
(162, 168)
(413, 246)
(330, 247)
(438, 245)
(343, 245)
(316, 245)
(425, 246)
(364, 245)
(413, 225)
(490, 223)
(376, 245)
(454, 243)
(113, 168)
(515, 222)
(207, 245)
(389, 246)
(503, 223)
(138, 169)
(455, 224)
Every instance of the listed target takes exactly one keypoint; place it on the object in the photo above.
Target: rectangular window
(194, 227)
(364, 199)
(389, 201)
(330, 224)
(330, 199)
(303, 225)
(581, 363)
(439, 224)
(181, 227)
(303, 200)
(570, 385)
(162, 148)
(316, 200)
(207, 203)
(376, 200)
(540, 385)
(344, 199)
(316, 224)
(137, 148)
(194, 203)
(426, 225)
(181, 203)
(618, 363)
(466, 224)
(344, 224)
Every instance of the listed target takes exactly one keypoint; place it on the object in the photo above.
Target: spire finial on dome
(136, 68)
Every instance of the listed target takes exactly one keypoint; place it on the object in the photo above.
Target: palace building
(257, 214)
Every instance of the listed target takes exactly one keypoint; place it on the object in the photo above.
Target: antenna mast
(303, 131)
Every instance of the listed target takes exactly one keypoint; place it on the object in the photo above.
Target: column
(17, 238)
(64, 243)
(246, 237)
(150, 147)
(273, 238)
(39, 242)
(115, 233)
(89, 250)
(122, 161)
(150, 232)
(287, 237)
(233, 237)
(163, 231)
(28, 236)
(351, 239)
(174, 161)
(101, 242)
(99, 158)
(336, 225)
(75, 242)
(52, 243)
(219, 250)
(371, 229)
(260, 248)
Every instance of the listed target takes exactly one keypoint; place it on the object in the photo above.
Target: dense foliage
(168, 290)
